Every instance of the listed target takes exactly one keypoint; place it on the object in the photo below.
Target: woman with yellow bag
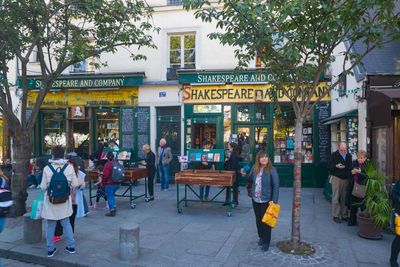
(265, 189)
(396, 242)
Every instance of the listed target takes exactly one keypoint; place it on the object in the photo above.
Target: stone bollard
(32, 229)
(129, 241)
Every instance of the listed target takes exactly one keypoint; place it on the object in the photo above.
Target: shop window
(188, 133)
(182, 51)
(261, 112)
(261, 138)
(227, 125)
(243, 113)
(207, 108)
(284, 133)
(107, 126)
(53, 131)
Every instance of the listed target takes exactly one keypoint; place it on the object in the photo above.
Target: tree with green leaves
(62, 33)
(296, 40)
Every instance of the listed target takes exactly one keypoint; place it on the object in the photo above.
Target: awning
(341, 116)
(391, 93)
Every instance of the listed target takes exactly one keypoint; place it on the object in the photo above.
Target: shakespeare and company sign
(243, 93)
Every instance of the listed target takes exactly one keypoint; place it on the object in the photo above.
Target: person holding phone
(359, 176)
(340, 166)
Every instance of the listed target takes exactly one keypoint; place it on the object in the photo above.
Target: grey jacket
(166, 156)
(269, 185)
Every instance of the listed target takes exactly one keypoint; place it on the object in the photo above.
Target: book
(277, 158)
(217, 157)
(282, 144)
(204, 157)
(289, 144)
(198, 157)
(182, 159)
(103, 155)
(128, 155)
(210, 157)
(192, 157)
(123, 155)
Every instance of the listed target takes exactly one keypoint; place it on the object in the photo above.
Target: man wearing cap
(112, 144)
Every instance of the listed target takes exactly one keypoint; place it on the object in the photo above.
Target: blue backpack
(5, 198)
(118, 172)
(58, 190)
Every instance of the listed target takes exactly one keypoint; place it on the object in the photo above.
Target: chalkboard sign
(142, 140)
(142, 119)
(324, 138)
(128, 141)
(128, 120)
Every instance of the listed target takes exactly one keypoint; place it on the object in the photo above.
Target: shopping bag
(397, 223)
(37, 207)
(271, 214)
(358, 190)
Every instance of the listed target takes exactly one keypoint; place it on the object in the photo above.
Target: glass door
(251, 139)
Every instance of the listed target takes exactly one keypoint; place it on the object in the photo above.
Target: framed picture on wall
(77, 112)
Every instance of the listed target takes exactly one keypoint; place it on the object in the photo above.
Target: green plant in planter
(376, 199)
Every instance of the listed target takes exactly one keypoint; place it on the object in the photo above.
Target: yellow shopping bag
(397, 223)
(271, 214)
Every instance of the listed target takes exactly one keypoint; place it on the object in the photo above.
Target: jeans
(202, 191)
(2, 224)
(59, 229)
(163, 171)
(51, 226)
(263, 230)
(110, 191)
(35, 180)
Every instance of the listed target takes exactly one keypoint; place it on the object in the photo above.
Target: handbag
(271, 214)
(358, 190)
(37, 207)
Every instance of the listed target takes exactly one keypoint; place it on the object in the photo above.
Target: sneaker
(345, 219)
(38, 187)
(51, 253)
(111, 213)
(265, 247)
(336, 219)
(206, 199)
(70, 250)
(57, 238)
(106, 208)
(93, 207)
(32, 186)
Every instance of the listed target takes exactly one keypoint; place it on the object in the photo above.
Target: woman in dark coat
(96, 156)
(265, 188)
(396, 241)
(150, 164)
(359, 176)
(232, 164)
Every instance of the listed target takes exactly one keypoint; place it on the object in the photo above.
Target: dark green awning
(341, 116)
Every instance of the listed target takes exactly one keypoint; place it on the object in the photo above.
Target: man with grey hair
(164, 157)
(339, 166)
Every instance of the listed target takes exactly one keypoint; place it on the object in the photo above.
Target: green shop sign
(103, 82)
(256, 77)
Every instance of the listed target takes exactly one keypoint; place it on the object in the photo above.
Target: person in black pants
(396, 242)
(265, 188)
(359, 176)
(150, 164)
(232, 164)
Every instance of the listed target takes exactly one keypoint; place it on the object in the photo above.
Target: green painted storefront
(251, 119)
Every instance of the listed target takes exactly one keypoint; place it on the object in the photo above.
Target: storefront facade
(236, 107)
(81, 111)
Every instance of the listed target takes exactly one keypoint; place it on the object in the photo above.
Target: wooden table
(131, 175)
(226, 179)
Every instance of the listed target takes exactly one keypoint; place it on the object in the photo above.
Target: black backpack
(58, 190)
(5, 198)
(118, 172)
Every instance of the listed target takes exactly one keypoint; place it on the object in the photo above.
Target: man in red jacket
(110, 186)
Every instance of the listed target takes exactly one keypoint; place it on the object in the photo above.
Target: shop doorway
(80, 138)
(202, 132)
(107, 126)
(251, 139)
(169, 128)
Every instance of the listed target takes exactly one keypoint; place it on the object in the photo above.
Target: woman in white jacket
(54, 212)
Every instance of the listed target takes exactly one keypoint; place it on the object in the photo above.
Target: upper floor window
(174, 2)
(342, 85)
(83, 66)
(182, 51)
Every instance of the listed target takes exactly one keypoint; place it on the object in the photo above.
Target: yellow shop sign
(244, 93)
(122, 97)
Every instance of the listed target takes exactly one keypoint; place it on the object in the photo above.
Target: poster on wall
(77, 112)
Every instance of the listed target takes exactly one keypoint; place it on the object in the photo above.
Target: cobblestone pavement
(14, 263)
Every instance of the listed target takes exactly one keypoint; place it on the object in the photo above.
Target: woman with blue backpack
(112, 180)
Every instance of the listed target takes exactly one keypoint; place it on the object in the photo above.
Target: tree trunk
(297, 185)
(22, 150)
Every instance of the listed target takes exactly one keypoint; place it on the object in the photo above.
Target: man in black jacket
(339, 166)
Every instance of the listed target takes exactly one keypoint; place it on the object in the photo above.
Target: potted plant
(377, 208)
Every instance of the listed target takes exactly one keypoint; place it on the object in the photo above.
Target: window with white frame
(182, 51)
